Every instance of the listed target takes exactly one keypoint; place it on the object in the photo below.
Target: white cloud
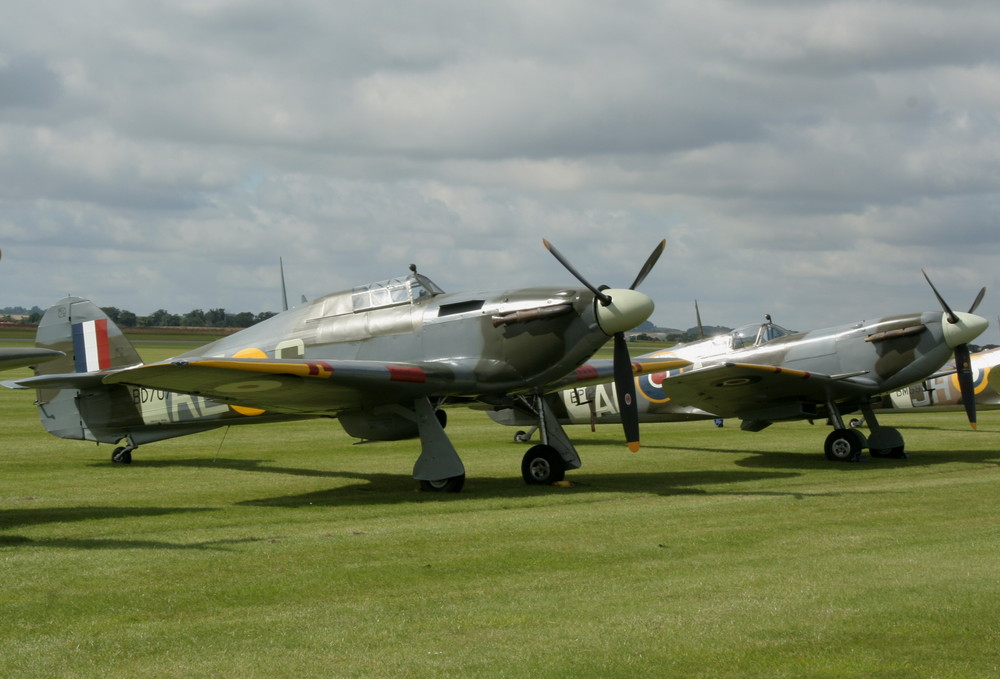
(803, 159)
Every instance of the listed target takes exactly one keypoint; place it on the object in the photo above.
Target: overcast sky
(804, 159)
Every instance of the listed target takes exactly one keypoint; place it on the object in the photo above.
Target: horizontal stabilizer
(59, 381)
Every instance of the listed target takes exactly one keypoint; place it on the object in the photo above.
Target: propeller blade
(979, 298)
(963, 363)
(952, 318)
(697, 315)
(625, 388)
(604, 299)
(648, 266)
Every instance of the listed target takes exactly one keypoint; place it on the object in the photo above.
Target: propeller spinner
(618, 310)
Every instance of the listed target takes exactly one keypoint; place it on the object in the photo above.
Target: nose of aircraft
(628, 309)
(968, 328)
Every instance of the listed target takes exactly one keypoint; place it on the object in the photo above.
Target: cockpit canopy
(756, 334)
(393, 292)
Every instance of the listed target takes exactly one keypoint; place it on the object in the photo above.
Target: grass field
(287, 551)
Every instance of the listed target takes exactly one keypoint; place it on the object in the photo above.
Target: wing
(297, 386)
(758, 391)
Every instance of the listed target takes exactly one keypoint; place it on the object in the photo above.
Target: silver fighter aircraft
(385, 359)
(763, 373)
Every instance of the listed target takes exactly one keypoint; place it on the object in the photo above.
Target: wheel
(452, 484)
(542, 465)
(121, 455)
(522, 437)
(844, 445)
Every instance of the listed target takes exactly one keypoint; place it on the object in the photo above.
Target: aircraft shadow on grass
(112, 543)
(388, 488)
(797, 461)
(20, 518)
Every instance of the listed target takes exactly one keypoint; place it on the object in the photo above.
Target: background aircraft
(18, 357)
(384, 358)
(763, 373)
(943, 392)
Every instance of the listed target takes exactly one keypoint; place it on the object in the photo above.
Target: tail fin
(91, 342)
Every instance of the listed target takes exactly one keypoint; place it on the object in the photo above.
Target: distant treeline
(213, 318)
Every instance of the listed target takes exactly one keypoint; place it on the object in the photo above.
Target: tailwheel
(121, 455)
(450, 485)
(542, 465)
(844, 445)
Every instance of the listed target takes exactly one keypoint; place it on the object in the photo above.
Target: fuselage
(514, 339)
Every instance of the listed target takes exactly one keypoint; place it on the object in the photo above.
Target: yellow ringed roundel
(980, 380)
(249, 352)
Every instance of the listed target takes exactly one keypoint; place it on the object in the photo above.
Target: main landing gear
(542, 465)
(123, 454)
(845, 444)
(547, 462)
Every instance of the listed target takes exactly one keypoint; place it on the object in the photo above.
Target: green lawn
(287, 551)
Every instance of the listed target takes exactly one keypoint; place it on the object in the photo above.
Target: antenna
(284, 295)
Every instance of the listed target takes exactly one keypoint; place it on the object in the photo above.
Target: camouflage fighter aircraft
(383, 358)
(763, 373)
(943, 392)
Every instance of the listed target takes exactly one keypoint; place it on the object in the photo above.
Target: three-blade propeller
(624, 378)
(963, 359)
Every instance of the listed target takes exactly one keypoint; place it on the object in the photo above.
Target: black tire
(897, 452)
(121, 455)
(844, 445)
(542, 465)
(450, 485)
(522, 436)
